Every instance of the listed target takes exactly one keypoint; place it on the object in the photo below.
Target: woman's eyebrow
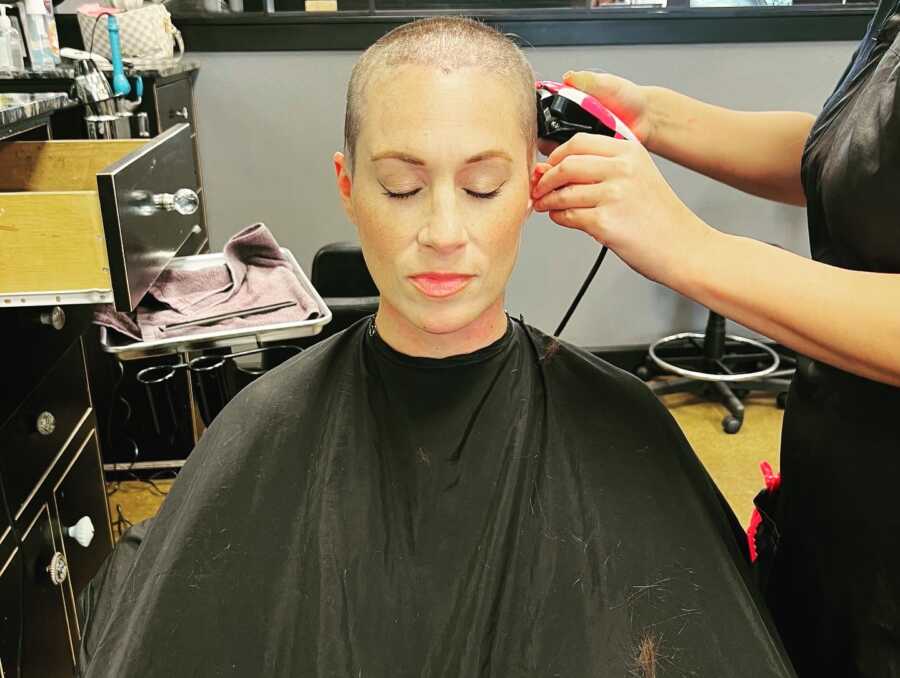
(398, 155)
(487, 155)
(413, 160)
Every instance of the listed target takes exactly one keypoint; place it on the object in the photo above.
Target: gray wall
(269, 123)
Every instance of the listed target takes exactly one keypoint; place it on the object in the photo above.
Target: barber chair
(340, 275)
(719, 367)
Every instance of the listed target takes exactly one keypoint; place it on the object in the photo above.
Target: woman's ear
(537, 171)
(344, 183)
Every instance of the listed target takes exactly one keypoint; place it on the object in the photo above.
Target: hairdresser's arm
(759, 153)
(612, 190)
(849, 319)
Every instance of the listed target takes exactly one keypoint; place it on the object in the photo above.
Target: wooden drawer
(174, 104)
(88, 221)
(36, 433)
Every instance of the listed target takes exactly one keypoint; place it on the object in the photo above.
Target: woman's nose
(445, 230)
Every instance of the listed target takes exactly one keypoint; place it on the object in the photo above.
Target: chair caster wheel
(781, 400)
(731, 424)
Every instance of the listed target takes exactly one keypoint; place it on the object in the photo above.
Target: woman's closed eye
(474, 194)
(392, 194)
(489, 194)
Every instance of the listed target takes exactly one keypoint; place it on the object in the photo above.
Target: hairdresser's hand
(628, 101)
(612, 190)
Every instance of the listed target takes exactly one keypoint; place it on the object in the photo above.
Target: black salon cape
(834, 579)
(524, 510)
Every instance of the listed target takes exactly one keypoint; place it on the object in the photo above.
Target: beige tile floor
(732, 460)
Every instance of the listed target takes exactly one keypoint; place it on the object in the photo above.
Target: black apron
(834, 586)
(521, 511)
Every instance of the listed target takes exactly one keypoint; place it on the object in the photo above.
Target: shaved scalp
(447, 43)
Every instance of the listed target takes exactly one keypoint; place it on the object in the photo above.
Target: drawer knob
(82, 531)
(184, 201)
(58, 569)
(54, 317)
(46, 423)
(180, 114)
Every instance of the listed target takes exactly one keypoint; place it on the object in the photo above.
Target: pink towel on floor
(255, 273)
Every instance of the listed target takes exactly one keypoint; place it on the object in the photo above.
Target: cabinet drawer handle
(184, 201)
(54, 317)
(58, 569)
(46, 423)
(82, 531)
(181, 114)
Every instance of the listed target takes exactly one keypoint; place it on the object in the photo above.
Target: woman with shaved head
(439, 490)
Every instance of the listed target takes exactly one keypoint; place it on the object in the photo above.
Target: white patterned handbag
(146, 33)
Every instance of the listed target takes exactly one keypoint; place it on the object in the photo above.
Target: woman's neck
(402, 336)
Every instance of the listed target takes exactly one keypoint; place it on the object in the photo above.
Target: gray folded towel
(255, 273)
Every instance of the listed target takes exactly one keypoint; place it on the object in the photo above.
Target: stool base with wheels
(719, 367)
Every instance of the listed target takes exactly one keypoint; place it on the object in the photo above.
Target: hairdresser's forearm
(848, 319)
(758, 153)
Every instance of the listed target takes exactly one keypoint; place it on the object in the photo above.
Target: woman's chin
(466, 318)
(445, 321)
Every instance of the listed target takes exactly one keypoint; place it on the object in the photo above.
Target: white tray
(125, 349)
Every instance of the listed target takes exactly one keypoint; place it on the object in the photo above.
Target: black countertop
(18, 106)
(160, 69)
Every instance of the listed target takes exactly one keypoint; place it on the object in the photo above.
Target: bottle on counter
(12, 52)
(34, 24)
(52, 34)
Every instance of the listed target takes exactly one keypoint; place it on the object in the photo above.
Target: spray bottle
(12, 52)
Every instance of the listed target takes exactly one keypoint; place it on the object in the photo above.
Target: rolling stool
(718, 367)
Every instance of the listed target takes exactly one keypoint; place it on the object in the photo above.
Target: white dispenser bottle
(12, 52)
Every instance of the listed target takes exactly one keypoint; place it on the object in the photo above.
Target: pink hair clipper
(563, 111)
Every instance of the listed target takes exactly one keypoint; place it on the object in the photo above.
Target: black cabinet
(51, 479)
(34, 609)
(168, 100)
(137, 426)
(12, 588)
(36, 434)
(74, 499)
(47, 647)
(173, 104)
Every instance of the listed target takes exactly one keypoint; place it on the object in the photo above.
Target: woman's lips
(438, 285)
